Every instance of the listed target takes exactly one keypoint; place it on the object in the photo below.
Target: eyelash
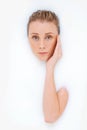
(37, 38)
(49, 37)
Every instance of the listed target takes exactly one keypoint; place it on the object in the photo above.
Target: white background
(22, 74)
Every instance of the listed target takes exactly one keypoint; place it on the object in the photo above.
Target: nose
(42, 45)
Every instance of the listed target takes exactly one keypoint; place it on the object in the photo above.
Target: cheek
(52, 46)
(34, 47)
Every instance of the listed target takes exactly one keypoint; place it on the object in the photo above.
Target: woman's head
(42, 31)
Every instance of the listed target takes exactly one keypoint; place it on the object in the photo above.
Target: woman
(43, 33)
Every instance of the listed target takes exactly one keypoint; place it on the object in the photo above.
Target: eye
(35, 37)
(48, 37)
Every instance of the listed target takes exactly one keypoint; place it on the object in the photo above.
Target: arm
(54, 102)
(51, 105)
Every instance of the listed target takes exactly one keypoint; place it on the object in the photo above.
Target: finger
(60, 51)
(59, 46)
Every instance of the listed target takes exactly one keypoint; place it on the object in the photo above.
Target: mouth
(43, 53)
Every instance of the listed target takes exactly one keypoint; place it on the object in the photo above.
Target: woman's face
(43, 38)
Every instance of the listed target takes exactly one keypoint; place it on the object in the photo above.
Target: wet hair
(44, 15)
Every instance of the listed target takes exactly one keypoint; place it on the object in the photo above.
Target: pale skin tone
(43, 37)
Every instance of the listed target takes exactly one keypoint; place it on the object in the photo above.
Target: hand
(56, 55)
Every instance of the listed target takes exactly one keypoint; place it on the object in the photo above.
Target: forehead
(42, 27)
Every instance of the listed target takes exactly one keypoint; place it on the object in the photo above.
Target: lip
(43, 52)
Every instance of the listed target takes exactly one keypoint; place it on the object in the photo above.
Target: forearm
(50, 97)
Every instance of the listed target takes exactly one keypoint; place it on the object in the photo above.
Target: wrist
(50, 69)
(50, 73)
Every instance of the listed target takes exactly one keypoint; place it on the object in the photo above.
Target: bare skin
(44, 37)
(54, 102)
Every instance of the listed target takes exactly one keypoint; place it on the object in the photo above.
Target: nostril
(42, 47)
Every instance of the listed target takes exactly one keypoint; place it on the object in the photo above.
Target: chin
(43, 58)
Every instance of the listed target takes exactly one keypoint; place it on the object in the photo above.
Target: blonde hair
(44, 15)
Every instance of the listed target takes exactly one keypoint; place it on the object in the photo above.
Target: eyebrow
(45, 33)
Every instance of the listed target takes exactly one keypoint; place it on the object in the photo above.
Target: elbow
(51, 119)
